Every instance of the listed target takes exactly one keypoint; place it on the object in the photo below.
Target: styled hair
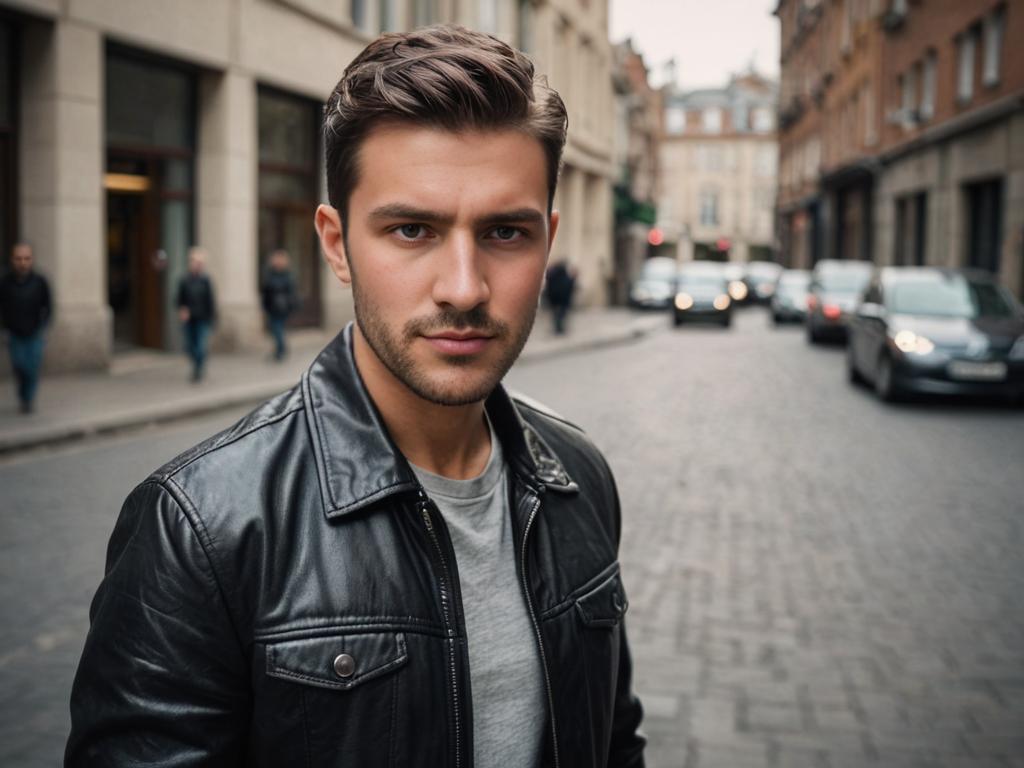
(443, 76)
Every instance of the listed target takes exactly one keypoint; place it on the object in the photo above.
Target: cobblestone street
(815, 579)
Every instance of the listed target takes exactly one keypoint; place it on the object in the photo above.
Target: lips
(456, 343)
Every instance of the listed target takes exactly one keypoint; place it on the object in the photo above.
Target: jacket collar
(357, 462)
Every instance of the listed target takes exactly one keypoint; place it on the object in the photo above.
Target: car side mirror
(869, 310)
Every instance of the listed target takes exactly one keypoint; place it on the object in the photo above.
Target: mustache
(475, 319)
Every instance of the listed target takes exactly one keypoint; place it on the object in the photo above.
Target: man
(197, 310)
(25, 309)
(559, 285)
(395, 563)
(279, 299)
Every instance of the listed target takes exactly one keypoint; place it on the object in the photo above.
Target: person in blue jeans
(197, 310)
(279, 299)
(25, 309)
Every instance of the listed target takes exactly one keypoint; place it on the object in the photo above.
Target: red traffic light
(655, 236)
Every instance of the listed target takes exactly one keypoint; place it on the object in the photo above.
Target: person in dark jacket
(25, 309)
(559, 286)
(397, 562)
(279, 299)
(197, 310)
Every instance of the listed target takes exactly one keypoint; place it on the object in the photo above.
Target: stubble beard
(394, 350)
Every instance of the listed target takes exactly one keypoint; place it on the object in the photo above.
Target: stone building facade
(902, 139)
(637, 132)
(719, 166)
(130, 131)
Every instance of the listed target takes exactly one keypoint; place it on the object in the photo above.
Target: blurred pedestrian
(197, 310)
(559, 287)
(26, 309)
(279, 299)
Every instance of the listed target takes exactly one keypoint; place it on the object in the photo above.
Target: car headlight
(684, 301)
(721, 302)
(912, 343)
(1017, 350)
(738, 290)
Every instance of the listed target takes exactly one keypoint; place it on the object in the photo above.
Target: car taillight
(831, 311)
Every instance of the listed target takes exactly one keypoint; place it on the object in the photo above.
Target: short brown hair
(443, 76)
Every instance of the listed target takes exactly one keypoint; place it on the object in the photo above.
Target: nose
(461, 281)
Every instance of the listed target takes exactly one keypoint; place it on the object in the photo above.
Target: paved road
(815, 579)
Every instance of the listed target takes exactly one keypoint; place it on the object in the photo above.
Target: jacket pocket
(337, 662)
(605, 604)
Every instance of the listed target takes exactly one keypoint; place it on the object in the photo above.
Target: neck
(451, 441)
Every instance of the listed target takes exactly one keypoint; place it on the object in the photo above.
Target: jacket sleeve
(162, 679)
(627, 742)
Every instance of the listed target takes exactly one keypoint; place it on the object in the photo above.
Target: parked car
(760, 279)
(789, 300)
(940, 331)
(702, 293)
(656, 285)
(835, 288)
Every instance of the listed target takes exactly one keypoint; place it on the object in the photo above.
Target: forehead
(456, 172)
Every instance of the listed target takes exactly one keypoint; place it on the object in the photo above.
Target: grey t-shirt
(509, 703)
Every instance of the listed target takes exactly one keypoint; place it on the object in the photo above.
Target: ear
(552, 229)
(332, 243)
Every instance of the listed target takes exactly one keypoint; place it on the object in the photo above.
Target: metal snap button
(344, 665)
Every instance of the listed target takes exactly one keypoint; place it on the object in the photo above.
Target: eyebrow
(402, 211)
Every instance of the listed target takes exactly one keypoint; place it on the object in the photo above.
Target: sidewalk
(149, 387)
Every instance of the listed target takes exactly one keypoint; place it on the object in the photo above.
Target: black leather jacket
(238, 573)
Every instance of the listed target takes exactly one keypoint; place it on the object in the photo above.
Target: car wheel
(812, 335)
(726, 321)
(885, 387)
(676, 321)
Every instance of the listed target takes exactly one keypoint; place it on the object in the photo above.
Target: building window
(993, 47)
(709, 208)
(387, 15)
(487, 16)
(8, 135)
(907, 97)
(288, 191)
(764, 122)
(984, 209)
(675, 120)
(928, 86)
(741, 118)
(358, 12)
(965, 67)
(711, 120)
(525, 25)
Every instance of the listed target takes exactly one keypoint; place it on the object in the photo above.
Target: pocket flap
(605, 604)
(339, 662)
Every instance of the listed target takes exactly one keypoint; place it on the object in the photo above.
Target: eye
(507, 234)
(411, 231)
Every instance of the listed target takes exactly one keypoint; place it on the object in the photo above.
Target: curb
(113, 423)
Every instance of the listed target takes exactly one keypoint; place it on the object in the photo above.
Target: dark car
(937, 331)
(760, 278)
(835, 288)
(702, 293)
(789, 300)
(656, 285)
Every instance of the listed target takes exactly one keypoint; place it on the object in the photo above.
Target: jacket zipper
(424, 505)
(536, 624)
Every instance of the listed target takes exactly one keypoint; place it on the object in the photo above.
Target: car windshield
(794, 283)
(658, 270)
(954, 297)
(844, 280)
(706, 280)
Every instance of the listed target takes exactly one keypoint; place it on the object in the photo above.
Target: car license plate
(968, 371)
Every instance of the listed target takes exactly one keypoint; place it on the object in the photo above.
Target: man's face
(448, 236)
(21, 259)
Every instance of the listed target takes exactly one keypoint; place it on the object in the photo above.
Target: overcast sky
(710, 39)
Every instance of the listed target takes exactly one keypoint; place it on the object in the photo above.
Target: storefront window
(288, 177)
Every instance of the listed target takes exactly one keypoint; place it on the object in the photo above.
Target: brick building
(902, 133)
(132, 129)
